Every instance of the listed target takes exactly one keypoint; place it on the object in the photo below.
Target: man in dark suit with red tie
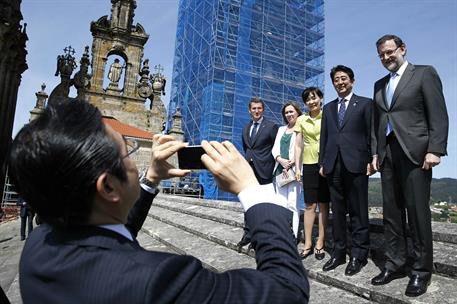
(410, 134)
(344, 156)
(78, 175)
(258, 138)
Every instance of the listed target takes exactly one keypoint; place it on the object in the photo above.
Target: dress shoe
(306, 253)
(417, 285)
(333, 263)
(319, 254)
(386, 276)
(354, 266)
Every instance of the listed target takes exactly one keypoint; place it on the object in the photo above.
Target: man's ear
(107, 187)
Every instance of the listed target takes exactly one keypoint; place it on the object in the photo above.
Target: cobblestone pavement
(10, 247)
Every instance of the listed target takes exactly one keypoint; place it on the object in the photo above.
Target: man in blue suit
(345, 157)
(78, 175)
(26, 214)
(258, 138)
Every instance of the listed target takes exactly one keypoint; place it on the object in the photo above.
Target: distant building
(228, 51)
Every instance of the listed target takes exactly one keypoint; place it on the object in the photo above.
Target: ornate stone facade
(12, 64)
(114, 88)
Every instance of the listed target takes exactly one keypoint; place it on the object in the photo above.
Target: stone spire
(176, 129)
(41, 98)
(122, 13)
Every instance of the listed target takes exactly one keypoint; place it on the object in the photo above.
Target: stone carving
(144, 89)
(82, 77)
(66, 64)
(151, 86)
(115, 71)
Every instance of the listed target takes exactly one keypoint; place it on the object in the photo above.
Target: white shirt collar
(119, 229)
(347, 97)
(402, 69)
(259, 121)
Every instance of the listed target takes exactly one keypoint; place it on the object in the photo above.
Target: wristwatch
(151, 187)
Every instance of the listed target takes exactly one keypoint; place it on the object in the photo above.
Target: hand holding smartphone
(190, 157)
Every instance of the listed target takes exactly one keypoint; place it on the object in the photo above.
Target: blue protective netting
(228, 51)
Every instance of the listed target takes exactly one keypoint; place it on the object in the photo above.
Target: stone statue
(115, 71)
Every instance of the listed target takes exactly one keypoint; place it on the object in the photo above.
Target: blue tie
(341, 112)
(254, 130)
(389, 96)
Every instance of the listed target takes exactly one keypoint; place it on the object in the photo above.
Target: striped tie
(341, 112)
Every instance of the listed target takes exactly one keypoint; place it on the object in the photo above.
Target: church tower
(117, 53)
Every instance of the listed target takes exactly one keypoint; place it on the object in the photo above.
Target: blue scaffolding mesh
(228, 51)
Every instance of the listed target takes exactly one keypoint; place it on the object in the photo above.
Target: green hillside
(443, 189)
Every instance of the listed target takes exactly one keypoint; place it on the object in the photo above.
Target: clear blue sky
(428, 27)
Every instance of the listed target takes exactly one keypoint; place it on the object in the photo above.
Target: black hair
(395, 38)
(256, 100)
(306, 92)
(56, 160)
(342, 68)
(293, 104)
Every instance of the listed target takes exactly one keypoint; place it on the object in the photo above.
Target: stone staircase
(209, 230)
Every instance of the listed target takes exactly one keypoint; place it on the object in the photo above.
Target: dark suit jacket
(94, 265)
(352, 140)
(417, 114)
(26, 209)
(259, 150)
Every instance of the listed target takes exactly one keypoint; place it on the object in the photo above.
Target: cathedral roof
(125, 129)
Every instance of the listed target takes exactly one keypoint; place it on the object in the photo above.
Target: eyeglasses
(388, 53)
(131, 145)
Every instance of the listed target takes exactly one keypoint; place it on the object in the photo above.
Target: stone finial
(41, 97)
(151, 87)
(82, 78)
(177, 122)
(158, 80)
(66, 62)
(144, 88)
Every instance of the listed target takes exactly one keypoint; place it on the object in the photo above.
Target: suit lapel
(405, 78)
(334, 111)
(382, 92)
(246, 134)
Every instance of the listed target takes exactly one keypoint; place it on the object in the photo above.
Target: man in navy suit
(26, 215)
(258, 138)
(345, 157)
(411, 128)
(77, 174)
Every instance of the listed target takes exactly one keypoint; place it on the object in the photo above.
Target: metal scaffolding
(228, 51)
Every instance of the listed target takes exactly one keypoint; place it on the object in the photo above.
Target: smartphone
(189, 157)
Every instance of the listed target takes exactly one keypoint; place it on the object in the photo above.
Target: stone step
(212, 228)
(164, 227)
(441, 290)
(220, 258)
(444, 253)
(442, 232)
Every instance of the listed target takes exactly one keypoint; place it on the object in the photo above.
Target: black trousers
(349, 194)
(406, 195)
(27, 219)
